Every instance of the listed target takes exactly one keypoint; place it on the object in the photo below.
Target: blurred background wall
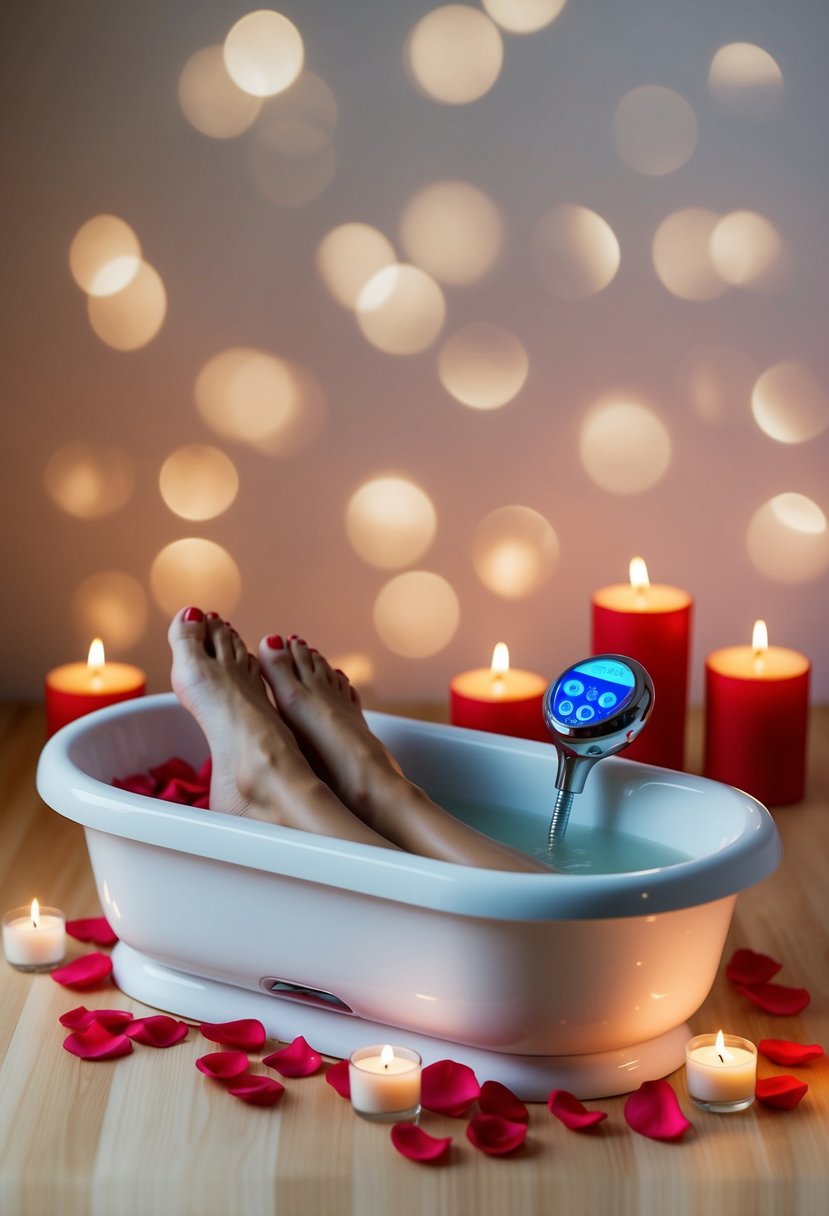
(413, 354)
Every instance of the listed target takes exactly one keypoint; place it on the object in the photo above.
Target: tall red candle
(650, 622)
(501, 699)
(756, 719)
(76, 689)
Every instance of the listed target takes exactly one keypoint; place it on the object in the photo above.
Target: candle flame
(720, 1048)
(35, 913)
(386, 1055)
(500, 659)
(759, 639)
(639, 574)
(96, 658)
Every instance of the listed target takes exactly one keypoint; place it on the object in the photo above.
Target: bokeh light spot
(132, 317)
(348, 256)
(681, 254)
(358, 666)
(654, 129)
(291, 162)
(452, 230)
(417, 614)
(198, 482)
(104, 256)
(717, 381)
(112, 606)
(401, 310)
(514, 551)
(257, 398)
(390, 521)
(625, 447)
(523, 16)
(454, 54)
(789, 404)
(264, 53)
(788, 539)
(483, 366)
(575, 251)
(89, 480)
(210, 100)
(195, 571)
(746, 249)
(746, 80)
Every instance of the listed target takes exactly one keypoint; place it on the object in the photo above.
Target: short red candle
(76, 689)
(756, 720)
(501, 699)
(650, 622)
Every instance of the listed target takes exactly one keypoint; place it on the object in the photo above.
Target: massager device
(594, 709)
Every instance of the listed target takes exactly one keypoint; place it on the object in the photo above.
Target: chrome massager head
(594, 709)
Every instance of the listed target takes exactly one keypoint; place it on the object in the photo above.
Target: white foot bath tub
(577, 980)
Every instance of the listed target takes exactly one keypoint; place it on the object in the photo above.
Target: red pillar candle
(650, 622)
(76, 689)
(501, 699)
(756, 716)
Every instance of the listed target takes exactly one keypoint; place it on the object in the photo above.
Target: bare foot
(258, 768)
(323, 710)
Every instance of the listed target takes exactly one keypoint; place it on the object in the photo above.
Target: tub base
(531, 1078)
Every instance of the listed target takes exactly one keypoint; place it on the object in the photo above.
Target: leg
(323, 710)
(258, 769)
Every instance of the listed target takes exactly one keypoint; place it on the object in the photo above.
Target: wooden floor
(148, 1134)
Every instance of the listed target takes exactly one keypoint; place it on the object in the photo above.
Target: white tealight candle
(34, 938)
(721, 1072)
(385, 1083)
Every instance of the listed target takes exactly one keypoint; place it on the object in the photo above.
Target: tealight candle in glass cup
(34, 938)
(721, 1072)
(385, 1083)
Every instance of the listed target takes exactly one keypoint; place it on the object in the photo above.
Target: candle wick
(721, 1058)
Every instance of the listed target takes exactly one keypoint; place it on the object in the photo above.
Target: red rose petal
(338, 1078)
(248, 1034)
(747, 967)
(257, 1090)
(495, 1136)
(417, 1145)
(295, 1060)
(496, 1099)
(88, 971)
(567, 1108)
(111, 1019)
(654, 1111)
(136, 783)
(205, 773)
(223, 1065)
(159, 1030)
(171, 769)
(776, 998)
(782, 1051)
(97, 1043)
(203, 803)
(781, 1091)
(448, 1088)
(95, 929)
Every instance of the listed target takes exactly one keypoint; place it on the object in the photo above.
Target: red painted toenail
(212, 616)
(193, 614)
(301, 642)
(275, 642)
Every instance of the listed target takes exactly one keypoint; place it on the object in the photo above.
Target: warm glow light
(746, 80)
(453, 231)
(681, 254)
(515, 551)
(198, 571)
(132, 317)
(625, 447)
(483, 366)
(35, 913)
(417, 614)
(523, 16)
(264, 53)
(89, 480)
(654, 129)
(357, 666)
(104, 255)
(788, 539)
(789, 404)
(210, 100)
(386, 1055)
(198, 482)
(96, 657)
(350, 255)
(390, 521)
(720, 1048)
(638, 573)
(759, 638)
(500, 659)
(113, 604)
(746, 249)
(576, 252)
(454, 54)
(401, 310)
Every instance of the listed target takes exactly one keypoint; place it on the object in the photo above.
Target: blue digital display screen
(591, 692)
